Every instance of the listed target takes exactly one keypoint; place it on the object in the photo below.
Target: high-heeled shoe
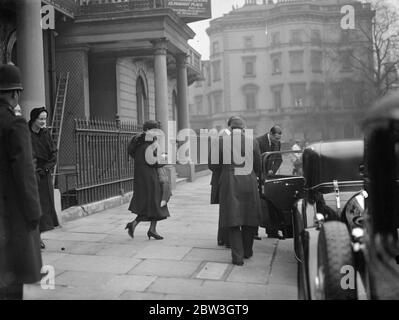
(42, 245)
(129, 228)
(154, 235)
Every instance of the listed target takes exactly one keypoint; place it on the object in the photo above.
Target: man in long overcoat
(268, 143)
(238, 191)
(20, 255)
(223, 233)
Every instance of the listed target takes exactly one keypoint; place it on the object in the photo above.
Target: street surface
(94, 258)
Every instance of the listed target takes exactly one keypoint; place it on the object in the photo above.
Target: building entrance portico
(132, 62)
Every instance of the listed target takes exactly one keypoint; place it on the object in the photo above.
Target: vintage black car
(311, 212)
(377, 245)
(344, 212)
(333, 174)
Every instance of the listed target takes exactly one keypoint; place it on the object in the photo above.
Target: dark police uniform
(20, 255)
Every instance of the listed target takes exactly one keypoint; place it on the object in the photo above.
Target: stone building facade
(286, 62)
(127, 61)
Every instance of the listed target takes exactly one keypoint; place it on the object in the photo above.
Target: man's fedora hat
(10, 78)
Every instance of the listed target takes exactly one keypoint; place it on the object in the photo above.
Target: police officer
(20, 256)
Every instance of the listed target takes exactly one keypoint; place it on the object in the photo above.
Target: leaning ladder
(58, 114)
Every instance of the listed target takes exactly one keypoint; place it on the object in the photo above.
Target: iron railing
(103, 167)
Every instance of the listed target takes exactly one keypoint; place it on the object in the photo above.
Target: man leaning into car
(271, 142)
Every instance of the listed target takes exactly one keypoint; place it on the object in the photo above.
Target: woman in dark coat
(45, 154)
(239, 198)
(147, 196)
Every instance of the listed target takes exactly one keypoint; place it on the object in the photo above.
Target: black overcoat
(45, 154)
(20, 254)
(238, 194)
(147, 195)
(216, 171)
(214, 167)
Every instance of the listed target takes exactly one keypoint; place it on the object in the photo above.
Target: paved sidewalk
(94, 258)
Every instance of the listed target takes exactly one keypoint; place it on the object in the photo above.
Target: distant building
(286, 63)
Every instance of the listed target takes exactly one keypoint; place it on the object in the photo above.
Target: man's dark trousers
(241, 241)
(223, 236)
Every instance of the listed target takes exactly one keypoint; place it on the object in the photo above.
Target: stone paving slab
(108, 228)
(257, 275)
(60, 235)
(83, 278)
(215, 255)
(169, 253)
(117, 250)
(234, 290)
(283, 273)
(190, 287)
(122, 283)
(166, 269)
(213, 271)
(282, 292)
(52, 257)
(100, 261)
(99, 264)
(68, 293)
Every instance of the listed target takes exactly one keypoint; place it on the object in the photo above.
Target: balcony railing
(194, 60)
(103, 6)
(313, 110)
(68, 7)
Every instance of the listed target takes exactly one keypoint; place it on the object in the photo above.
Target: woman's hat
(151, 124)
(35, 113)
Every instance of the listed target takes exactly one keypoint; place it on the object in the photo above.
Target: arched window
(11, 54)
(143, 112)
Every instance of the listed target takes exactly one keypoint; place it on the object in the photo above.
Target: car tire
(334, 252)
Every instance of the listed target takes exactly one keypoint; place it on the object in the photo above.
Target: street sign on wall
(192, 10)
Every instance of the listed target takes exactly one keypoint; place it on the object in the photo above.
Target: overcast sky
(201, 41)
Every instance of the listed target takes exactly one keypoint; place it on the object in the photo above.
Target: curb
(74, 213)
(86, 210)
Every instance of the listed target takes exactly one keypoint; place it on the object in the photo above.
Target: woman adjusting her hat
(45, 154)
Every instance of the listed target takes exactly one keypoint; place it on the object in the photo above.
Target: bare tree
(382, 48)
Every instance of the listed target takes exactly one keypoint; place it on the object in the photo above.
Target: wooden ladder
(58, 114)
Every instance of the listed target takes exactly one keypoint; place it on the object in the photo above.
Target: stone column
(161, 98)
(161, 84)
(30, 55)
(183, 119)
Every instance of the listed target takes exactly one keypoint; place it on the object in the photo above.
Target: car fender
(312, 235)
(309, 212)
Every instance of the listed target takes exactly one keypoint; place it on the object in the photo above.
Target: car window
(286, 163)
